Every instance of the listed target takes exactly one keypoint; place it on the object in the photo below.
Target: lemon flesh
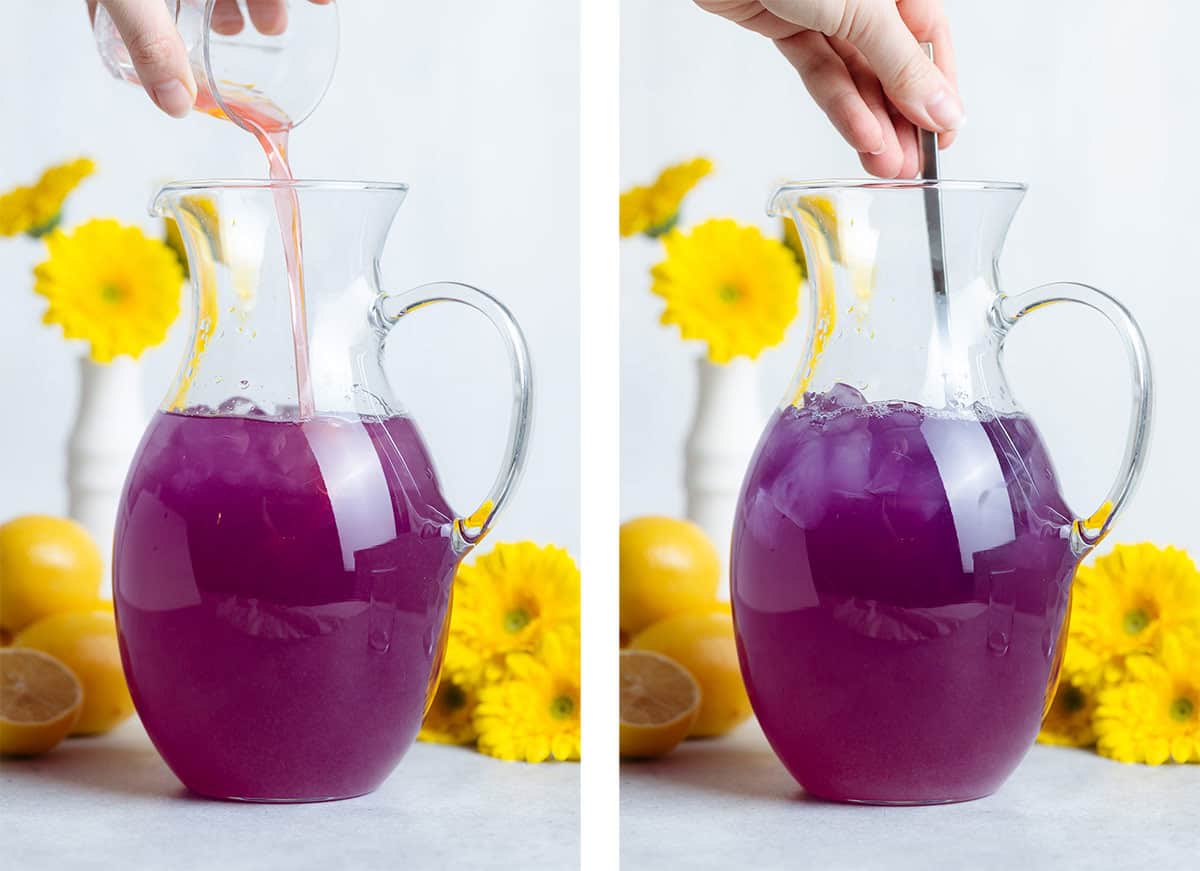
(40, 701)
(659, 704)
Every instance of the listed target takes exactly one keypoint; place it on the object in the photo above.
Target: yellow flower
(199, 215)
(728, 285)
(111, 285)
(36, 209)
(202, 209)
(1154, 714)
(1126, 603)
(173, 239)
(533, 713)
(825, 222)
(449, 718)
(506, 602)
(654, 209)
(1068, 723)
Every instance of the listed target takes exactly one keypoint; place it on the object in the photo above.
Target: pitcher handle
(1086, 534)
(391, 308)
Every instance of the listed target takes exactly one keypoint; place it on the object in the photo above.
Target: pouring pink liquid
(271, 128)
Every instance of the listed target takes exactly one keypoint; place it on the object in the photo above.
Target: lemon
(703, 644)
(40, 700)
(668, 567)
(86, 642)
(659, 703)
(47, 565)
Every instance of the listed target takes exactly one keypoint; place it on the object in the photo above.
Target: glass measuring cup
(257, 80)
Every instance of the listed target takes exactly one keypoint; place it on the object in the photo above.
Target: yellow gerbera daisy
(728, 285)
(449, 718)
(111, 285)
(1154, 714)
(506, 602)
(36, 209)
(826, 223)
(654, 209)
(533, 714)
(203, 210)
(1129, 602)
(1068, 723)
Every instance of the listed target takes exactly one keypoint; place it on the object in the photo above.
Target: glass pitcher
(282, 580)
(902, 555)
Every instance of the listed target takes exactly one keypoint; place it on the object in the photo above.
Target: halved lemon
(659, 703)
(86, 643)
(704, 644)
(40, 701)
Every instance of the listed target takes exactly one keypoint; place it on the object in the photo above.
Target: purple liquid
(282, 593)
(900, 583)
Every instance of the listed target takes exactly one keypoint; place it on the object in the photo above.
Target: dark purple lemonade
(282, 594)
(900, 580)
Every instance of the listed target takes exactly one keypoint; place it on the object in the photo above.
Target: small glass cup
(267, 81)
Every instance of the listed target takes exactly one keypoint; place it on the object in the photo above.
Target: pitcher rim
(295, 184)
(904, 184)
(270, 183)
(873, 184)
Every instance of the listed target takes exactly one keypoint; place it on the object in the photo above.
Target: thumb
(910, 79)
(157, 52)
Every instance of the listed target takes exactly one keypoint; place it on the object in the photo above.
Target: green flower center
(1182, 709)
(1074, 700)
(562, 707)
(454, 698)
(111, 293)
(728, 294)
(1135, 621)
(516, 620)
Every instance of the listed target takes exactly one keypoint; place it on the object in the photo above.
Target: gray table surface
(728, 803)
(111, 802)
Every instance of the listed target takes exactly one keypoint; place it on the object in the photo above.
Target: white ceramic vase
(725, 429)
(108, 425)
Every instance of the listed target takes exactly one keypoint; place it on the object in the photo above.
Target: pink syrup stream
(271, 128)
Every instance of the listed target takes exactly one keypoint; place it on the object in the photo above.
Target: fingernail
(881, 149)
(946, 110)
(173, 98)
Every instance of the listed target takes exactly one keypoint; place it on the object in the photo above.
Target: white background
(1093, 104)
(474, 104)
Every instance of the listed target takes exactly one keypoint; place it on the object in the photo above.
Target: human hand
(158, 54)
(862, 64)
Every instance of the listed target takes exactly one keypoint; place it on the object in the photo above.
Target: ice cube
(240, 406)
(799, 491)
(891, 460)
(838, 396)
(847, 461)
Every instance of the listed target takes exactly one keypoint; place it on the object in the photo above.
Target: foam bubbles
(843, 400)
